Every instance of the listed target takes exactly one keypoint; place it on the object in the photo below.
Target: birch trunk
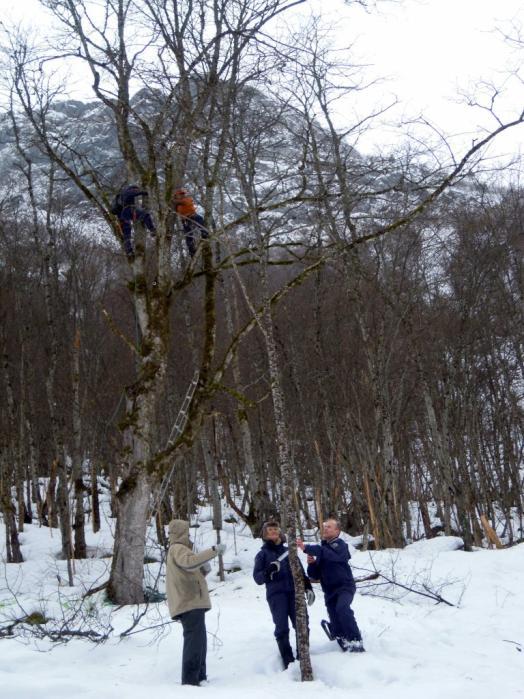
(95, 503)
(10, 468)
(210, 461)
(64, 518)
(264, 321)
(288, 492)
(76, 469)
(13, 550)
(261, 508)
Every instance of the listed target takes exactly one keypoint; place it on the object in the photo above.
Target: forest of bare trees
(356, 322)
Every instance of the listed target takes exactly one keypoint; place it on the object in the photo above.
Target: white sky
(428, 49)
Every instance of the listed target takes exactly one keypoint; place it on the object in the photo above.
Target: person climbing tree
(191, 221)
(125, 207)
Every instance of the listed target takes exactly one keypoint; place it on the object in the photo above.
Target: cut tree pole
(490, 533)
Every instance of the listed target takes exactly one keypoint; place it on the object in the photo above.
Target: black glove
(307, 584)
(272, 569)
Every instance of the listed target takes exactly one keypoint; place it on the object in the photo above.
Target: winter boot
(351, 646)
(285, 651)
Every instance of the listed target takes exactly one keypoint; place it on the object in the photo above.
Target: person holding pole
(188, 597)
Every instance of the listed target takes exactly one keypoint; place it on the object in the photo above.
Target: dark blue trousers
(282, 605)
(341, 617)
(195, 646)
(192, 225)
(129, 215)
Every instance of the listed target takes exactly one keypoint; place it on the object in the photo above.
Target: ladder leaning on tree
(176, 431)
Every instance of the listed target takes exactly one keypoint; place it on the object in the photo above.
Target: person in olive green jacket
(188, 597)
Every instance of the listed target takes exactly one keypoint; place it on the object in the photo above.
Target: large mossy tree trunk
(133, 501)
(133, 498)
(127, 569)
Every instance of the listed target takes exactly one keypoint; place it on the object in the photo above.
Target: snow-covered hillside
(415, 648)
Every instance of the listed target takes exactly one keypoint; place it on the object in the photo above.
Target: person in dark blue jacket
(328, 562)
(128, 213)
(272, 569)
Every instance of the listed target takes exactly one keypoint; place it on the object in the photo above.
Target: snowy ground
(416, 648)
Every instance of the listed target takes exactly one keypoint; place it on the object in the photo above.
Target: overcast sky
(429, 50)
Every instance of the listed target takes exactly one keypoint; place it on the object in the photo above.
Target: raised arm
(187, 560)
(335, 552)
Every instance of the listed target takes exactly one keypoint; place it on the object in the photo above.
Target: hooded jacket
(184, 204)
(186, 587)
(130, 193)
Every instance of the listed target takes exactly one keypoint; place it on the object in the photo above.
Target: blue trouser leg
(127, 232)
(191, 246)
(200, 225)
(190, 237)
(341, 616)
(145, 217)
(331, 610)
(203, 669)
(193, 225)
(282, 607)
(195, 646)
